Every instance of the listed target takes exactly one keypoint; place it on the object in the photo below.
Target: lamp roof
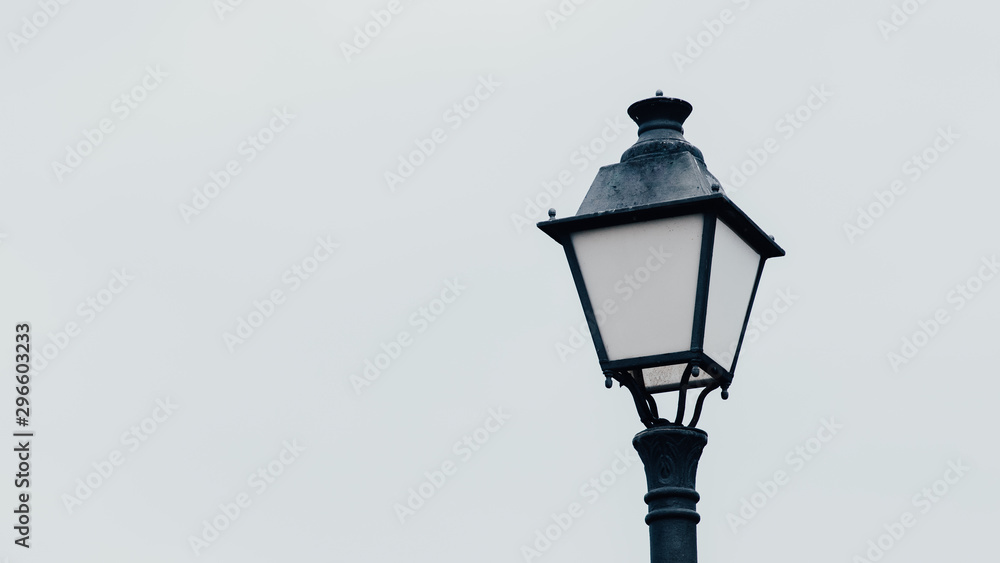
(661, 175)
(660, 167)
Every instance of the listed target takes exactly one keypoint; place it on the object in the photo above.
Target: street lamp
(667, 267)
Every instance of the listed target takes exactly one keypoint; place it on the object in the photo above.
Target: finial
(659, 92)
(552, 213)
(659, 113)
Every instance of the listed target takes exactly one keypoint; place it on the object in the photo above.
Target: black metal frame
(719, 203)
(704, 279)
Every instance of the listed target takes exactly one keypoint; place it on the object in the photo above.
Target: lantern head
(666, 265)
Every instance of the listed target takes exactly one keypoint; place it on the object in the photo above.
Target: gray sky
(215, 222)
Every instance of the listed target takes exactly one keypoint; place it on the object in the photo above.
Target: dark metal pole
(670, 455)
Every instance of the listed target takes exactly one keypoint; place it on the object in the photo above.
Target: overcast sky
(283, 282)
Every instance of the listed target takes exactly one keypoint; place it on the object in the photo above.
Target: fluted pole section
(670, 455)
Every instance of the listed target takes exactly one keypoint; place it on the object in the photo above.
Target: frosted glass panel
(665, 378)
(734, 270)
(642, 280)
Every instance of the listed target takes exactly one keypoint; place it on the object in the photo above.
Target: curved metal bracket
(701, 401)
(682, 391)
(644, 402)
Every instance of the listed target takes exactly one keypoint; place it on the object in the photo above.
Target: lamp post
(667, 267)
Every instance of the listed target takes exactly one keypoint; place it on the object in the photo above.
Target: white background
(502, 343)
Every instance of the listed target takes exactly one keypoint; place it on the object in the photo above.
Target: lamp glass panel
(730, 288)
(642, 280)
(666, 378)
